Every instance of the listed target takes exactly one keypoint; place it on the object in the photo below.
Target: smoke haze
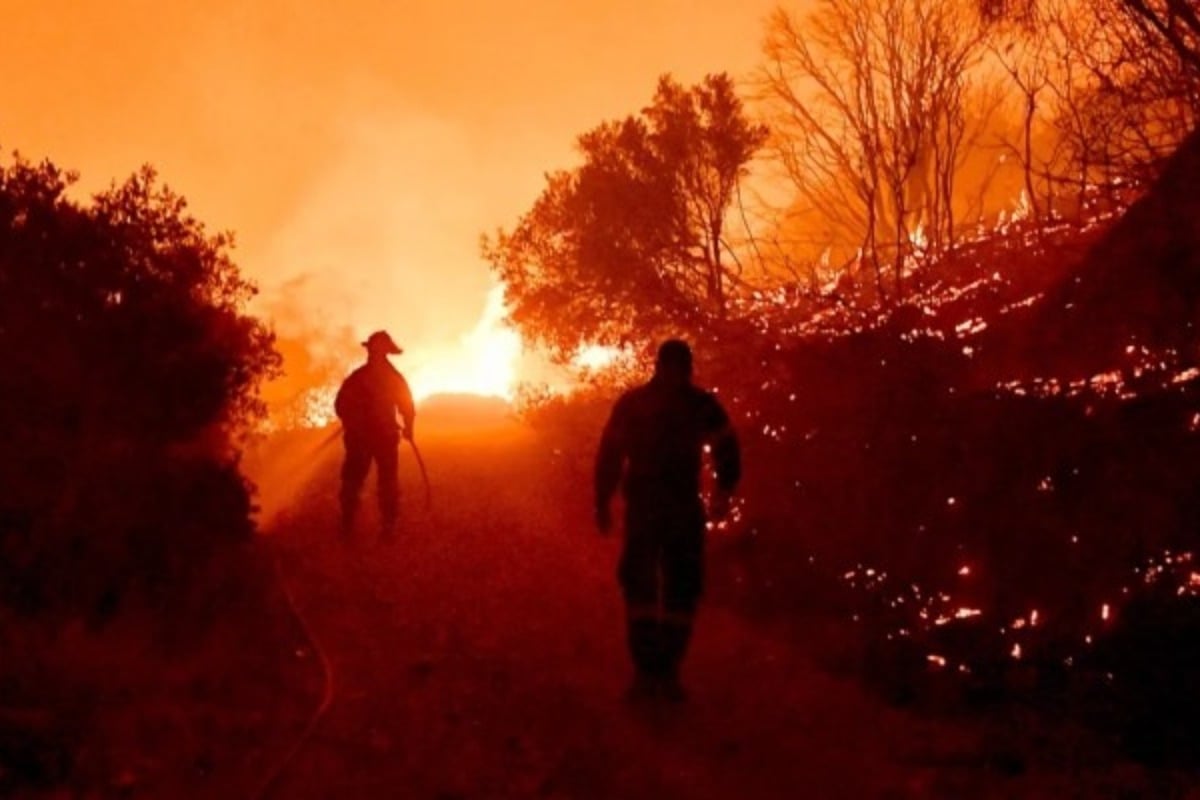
(359, 153)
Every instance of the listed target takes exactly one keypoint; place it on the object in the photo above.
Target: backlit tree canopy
(124, 314)
(634, 240)
(131, 368)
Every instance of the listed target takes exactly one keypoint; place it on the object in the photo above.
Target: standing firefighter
(655, 438)
(367, 404)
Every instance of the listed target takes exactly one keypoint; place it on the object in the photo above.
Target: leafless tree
(1176, 22)
(1114, 84)
(867, 102)
(1027, 61)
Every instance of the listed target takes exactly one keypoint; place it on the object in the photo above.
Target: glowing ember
(315, 410)
(1189, 374)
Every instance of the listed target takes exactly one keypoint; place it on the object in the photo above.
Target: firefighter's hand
(408, 432)
(718, 507)
(603, 519)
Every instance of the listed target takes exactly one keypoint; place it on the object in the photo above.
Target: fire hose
(424, 472)
(271, 780)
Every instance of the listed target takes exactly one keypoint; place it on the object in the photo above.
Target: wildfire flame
(482, 362)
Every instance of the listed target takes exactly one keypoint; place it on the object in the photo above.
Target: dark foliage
(634, 240)
(995, 483)
(1001, 476)
(130, 368)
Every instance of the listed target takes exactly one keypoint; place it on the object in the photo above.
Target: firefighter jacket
(370, 399)
(655, 438)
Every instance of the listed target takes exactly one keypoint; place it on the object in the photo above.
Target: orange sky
(361, 146)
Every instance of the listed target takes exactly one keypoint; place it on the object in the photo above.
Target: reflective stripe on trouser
(384, 452)
(662, 577)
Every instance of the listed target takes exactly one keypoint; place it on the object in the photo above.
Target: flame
(483, 362)
(919, 239)
(596, 357)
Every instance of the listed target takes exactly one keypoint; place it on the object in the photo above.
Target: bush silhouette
(131, 371)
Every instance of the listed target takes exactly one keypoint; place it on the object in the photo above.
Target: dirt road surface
(482, 654)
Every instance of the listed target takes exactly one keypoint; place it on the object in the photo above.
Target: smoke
(385, 237)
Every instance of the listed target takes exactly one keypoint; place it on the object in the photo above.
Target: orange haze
(358, 149)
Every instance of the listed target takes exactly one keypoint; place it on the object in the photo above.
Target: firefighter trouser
(662, 577)
(360, 452)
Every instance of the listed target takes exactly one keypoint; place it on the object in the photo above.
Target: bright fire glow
(483, 362)
(596, 356)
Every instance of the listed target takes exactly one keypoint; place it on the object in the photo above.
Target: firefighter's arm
(405, 404)
(610, 458)
(341, 403)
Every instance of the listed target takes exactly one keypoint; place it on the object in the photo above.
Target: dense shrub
(130, 370)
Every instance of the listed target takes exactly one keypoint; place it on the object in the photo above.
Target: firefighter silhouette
(652, 446)
(370, 403)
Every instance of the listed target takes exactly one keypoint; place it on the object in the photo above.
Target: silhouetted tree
(130, 370)
(868, 103)
(1113, 84)
(1177, 22)
(1173, 22)
(634, 240)
(1148, 87)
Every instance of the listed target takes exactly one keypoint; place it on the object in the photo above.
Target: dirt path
(482, 656)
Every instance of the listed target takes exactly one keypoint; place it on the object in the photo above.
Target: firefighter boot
(675, 635)
(645, 650)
